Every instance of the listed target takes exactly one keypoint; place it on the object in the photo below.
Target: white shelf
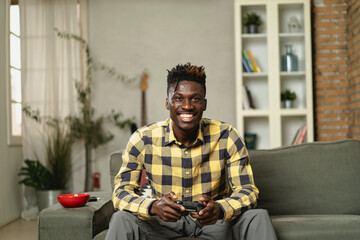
(254, 35)
(293, 112)
(255, 113)
(274, 125)
(291, 35)
(293, 74)
(255, 74)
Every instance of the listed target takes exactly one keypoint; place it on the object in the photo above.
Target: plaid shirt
(218, 153)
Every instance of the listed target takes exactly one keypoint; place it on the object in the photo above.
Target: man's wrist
(221, 216)
(220, 210)
(151, 211)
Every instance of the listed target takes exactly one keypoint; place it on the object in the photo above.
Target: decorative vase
(294, 25)
(252, 28)
(47, 198)
(289, 61)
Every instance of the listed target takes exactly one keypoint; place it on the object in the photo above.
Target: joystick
(191, 206)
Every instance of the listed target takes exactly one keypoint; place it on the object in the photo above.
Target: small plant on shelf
(288, 95)
(252, 21)
(287, 98)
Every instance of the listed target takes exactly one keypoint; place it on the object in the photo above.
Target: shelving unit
(274, 125)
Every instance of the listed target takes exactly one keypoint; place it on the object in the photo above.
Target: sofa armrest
(57, 222)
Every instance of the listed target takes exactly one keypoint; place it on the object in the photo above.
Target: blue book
(248, 60)
(245, 64)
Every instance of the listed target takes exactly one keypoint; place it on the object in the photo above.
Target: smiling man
(190, 159)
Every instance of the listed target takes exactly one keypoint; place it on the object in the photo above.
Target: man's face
(186, 106)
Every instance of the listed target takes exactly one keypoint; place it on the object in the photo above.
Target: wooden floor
(19, 230)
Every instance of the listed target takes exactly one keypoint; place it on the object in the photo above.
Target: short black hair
(186, 72)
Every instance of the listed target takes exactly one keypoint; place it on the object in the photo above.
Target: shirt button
(187, 191)
(186, 152)
(187, 172)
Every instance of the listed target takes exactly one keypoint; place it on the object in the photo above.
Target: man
(187, 158)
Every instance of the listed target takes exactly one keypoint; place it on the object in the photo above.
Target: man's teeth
(186, 115)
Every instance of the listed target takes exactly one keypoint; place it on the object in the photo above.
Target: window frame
(13, 140)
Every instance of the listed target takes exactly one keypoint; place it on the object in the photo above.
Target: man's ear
(205, 104)
(167, 104)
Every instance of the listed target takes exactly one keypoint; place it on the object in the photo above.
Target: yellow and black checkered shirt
(218, 153)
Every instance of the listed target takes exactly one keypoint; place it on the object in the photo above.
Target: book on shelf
(300, 135)
(245, 64)
(248, 60)
(254, 63)
(295, 136)
(248, 102)
(251, 102)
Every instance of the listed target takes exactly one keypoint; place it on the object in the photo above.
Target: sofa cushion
(115, 164)
(101, 236)
(311, 178)
(317, 227)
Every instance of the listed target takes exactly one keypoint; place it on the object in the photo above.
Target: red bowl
(73, 200)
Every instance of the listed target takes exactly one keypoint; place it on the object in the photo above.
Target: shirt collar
(170, 136)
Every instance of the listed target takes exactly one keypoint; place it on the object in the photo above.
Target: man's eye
(178, 99)
(196, 99)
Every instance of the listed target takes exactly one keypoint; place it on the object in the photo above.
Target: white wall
(10, 157)
(134, 35)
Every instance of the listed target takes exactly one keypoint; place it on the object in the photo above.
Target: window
(14, 74)
(13, 67)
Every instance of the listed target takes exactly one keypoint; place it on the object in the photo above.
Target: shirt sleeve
(240, 176)
(127, 181)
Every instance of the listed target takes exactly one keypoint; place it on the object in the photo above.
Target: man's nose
(186, 104)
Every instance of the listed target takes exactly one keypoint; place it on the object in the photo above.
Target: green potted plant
(85, 126)
(287, 98)
(252, 21)
(51, 179)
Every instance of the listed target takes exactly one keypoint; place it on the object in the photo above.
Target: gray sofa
(311, 191)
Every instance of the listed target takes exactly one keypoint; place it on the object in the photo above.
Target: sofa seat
(101, 236)
(317, 227)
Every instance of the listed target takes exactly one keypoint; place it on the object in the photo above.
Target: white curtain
(50, 66)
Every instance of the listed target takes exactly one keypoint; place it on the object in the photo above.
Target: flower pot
(288, 103)
(250, 140)
(252, 28)
(47, 198)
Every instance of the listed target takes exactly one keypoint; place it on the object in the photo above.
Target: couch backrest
(115, 164)
(311, 178)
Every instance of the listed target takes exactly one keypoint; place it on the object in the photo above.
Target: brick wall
(353, 46)
(336, 53)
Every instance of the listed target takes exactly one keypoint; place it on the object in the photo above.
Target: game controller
(191, 206)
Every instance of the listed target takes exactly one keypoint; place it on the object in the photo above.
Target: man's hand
(166, 209)
(210, 214)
